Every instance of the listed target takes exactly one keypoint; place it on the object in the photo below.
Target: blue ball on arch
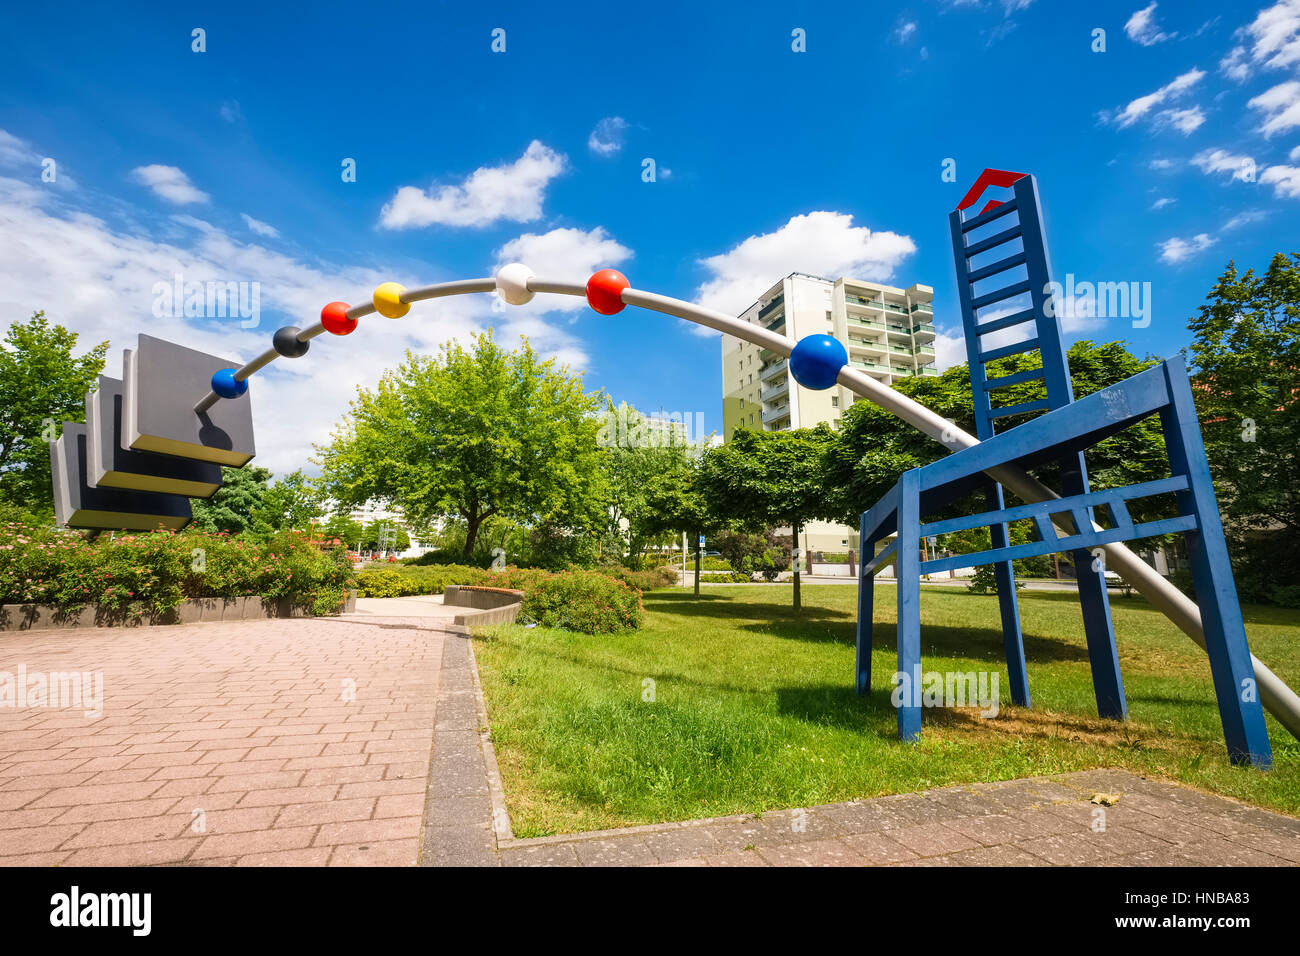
(816, 360)
(226, 385)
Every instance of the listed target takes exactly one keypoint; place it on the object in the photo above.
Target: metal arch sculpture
(217, 427)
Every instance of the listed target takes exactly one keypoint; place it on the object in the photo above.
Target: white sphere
(512, 283)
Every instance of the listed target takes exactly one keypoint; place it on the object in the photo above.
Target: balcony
(924, 308)
(777, 324)
(776, 413)
(771, 307)
(924, 331)
(901, 331)
(924, 350)
(776, 391)
(874, 346)
(926, 370)
(870, 366)
(861, 302)
(855, 322)
(769, 372)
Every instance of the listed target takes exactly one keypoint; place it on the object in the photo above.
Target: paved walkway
(363, 740)
(302, 742)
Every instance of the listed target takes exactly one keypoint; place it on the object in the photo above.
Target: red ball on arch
(605, 289)
(335, 318)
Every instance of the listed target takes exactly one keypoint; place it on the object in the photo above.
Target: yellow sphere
(387, 301)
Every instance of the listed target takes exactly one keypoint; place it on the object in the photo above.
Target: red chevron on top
(990, 177)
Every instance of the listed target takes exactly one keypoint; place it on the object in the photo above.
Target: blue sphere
(816, 361)
(226, 385)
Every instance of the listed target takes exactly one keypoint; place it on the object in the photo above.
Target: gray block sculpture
(158, 415)
(79, 504)
(114, 466)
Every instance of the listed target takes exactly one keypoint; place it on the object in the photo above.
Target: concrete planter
(491, 605)
(33, 617)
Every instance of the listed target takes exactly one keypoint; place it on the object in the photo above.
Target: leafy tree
(760, 479)
(1246, 350)
(346, 529)
(239, 506)
(385, 535)
(633, 458)
(874, 448)
(472, 434)
(675, 503)
(42, 384)
(293, 502)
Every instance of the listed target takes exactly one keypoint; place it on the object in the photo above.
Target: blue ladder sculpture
(1059, 435)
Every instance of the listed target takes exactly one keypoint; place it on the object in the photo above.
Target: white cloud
(1161, 164)
(1280, 106)
(819, 243)
(259, 227)
(1211, 161)
(513, 192)
(1244, 219)
(99, 281)
(905, 31)
(1143, 105)
(1285, 181)
(230, 111)
(15, 151)
(1162, 202)
(1142, 28)
(1271, 40)
(169, 183)
(608, 136)
(1185, 121)
(1175, 250)
(563, 255)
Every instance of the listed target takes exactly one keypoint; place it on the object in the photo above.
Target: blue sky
(1158, 159)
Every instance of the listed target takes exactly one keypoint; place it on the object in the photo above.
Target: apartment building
(888, 333)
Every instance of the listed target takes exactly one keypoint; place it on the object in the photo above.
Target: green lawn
(754, 709)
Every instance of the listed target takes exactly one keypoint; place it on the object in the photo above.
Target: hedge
(151, 573)
(593, 602)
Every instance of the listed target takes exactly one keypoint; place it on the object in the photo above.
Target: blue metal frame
(1061, 435)
(1046, 339)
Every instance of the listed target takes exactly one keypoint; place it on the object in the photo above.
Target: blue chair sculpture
(1058, 436)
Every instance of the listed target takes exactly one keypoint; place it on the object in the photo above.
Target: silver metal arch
(1278, 699)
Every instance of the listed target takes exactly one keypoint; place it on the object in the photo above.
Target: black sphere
(285, 341)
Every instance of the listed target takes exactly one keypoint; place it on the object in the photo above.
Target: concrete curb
(36, 617)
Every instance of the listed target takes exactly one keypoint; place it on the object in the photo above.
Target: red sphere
(604, 291)
(335, 318)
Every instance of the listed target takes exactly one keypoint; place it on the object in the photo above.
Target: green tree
(760, 479)
(1246, 351)
(385, 535)
(472, 434)
(293, 502)
(42, 384)
(675, 503)
(634, 456)
(239, 506)
(874, 448)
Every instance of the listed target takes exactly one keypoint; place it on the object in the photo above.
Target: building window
(742, 403)
(835, 401)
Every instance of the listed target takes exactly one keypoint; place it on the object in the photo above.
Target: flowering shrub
(153, 572)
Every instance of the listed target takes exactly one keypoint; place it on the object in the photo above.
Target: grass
(753, 707)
